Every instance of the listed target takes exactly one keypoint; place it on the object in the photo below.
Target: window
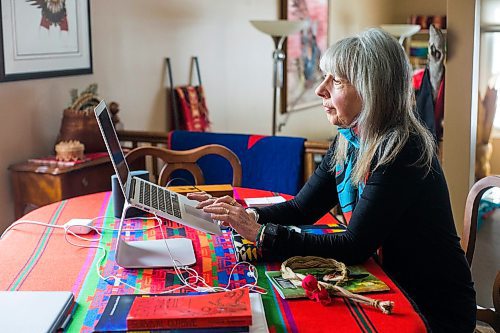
(489, 67)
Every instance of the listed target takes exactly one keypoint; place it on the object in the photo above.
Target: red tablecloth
(38, 258)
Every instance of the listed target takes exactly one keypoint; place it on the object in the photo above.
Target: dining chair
(490, 316)
(168, 161)
(272, 163)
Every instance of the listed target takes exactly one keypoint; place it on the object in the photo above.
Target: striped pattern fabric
(38, 258)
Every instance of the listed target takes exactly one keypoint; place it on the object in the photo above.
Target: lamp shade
(401, 30)
(278, 28)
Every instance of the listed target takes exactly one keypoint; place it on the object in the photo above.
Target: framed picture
(303, 51)
(42, 38)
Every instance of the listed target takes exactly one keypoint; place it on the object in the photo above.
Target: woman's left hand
(232, 214)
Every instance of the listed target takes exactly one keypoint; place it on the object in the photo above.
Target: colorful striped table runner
(38, 258)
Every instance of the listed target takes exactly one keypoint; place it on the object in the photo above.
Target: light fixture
(278, 30)
(401, 30)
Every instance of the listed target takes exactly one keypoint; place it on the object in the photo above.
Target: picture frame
(41, 39)
(303, 51)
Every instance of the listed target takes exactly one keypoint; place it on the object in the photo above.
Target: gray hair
(377, 66)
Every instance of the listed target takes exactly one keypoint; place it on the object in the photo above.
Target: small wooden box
(214, 190)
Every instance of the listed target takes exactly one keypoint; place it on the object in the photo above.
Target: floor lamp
(401, 31)
(278, 30)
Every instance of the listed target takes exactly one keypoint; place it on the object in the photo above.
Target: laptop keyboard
(158, 198)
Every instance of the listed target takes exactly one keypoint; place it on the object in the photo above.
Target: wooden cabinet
(36, 185)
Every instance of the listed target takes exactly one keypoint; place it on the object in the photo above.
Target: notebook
(155, 199)
(35, 311)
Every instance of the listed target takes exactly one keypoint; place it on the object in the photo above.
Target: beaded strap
(260, 236)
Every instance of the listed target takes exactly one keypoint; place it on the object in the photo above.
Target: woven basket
(79, 123)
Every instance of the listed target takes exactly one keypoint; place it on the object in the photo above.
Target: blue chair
(273, 163)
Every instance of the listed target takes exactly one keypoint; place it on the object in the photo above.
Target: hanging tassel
(314, 290)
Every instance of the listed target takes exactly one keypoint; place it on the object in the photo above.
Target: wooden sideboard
(35, 185)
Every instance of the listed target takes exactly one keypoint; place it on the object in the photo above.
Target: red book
(225, 309)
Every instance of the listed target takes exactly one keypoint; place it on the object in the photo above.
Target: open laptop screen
(112, 143)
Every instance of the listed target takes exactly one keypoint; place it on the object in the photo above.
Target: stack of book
(185, 313)
(418, 53)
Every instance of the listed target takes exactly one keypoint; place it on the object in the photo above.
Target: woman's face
(341, 101)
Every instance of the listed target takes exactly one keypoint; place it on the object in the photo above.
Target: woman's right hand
(203, 198)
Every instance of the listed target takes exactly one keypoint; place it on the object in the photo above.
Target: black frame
(44, 74)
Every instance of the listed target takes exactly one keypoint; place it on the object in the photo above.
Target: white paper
(264, 201)
(259, 323)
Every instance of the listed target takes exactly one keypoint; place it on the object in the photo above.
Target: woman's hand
(204, 198)
(231, 213)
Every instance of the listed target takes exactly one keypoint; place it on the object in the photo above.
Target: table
(38, 258)
(35, 185)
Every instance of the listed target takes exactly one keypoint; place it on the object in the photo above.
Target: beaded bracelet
(260, 238)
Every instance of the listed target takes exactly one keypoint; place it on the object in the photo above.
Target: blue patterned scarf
(347, 192)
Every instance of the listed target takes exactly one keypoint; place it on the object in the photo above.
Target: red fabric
(304, 316)
(314, 291)
(57, 254)
(253, 139)
(194, 111)
(439, 109)
(418, 75)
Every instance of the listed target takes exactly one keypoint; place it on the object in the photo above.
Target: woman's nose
(321, 90)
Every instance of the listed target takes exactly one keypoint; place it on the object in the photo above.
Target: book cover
(114, 317)
(225, 309)
(360, 281)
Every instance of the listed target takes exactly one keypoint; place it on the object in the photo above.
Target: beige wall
(130, 40)
(460, 117)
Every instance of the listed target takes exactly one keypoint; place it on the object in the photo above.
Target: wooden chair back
(313, 150)
(471, 213)
(469, 243)
(187, 160)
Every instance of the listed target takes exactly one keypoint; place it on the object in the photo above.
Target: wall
(130, 40)
(460, 116)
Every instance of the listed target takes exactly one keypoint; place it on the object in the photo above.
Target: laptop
(35, 311)
(155, 199)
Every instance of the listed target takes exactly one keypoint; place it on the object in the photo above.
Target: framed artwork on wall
(303, 51)
(41, 39)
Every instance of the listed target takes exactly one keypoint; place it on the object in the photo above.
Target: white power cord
(83, 226)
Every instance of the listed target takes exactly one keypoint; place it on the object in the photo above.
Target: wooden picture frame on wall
(303, 51)
(40, 39)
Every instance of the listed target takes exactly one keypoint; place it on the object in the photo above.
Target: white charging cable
(192, 281)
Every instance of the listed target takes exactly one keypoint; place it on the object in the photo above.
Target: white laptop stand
(152, 253)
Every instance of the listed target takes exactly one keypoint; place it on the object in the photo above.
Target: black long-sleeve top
(404, 210)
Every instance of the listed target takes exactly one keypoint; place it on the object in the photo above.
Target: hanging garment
(431, 112)
(193, 112)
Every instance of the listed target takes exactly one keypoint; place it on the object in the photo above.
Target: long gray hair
(377, 66)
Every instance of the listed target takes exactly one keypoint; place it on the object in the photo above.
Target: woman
(383, 172)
